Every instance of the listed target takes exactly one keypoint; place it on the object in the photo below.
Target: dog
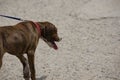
(23, 38)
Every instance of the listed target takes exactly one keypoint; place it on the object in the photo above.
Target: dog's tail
(11, 17)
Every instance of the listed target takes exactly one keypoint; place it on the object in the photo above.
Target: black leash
(11, 17)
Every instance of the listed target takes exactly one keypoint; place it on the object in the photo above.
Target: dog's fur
(23, 38)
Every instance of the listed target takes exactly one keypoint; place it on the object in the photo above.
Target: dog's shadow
(42, 78)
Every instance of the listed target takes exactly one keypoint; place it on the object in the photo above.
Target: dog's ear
(43, 30)
(47, 28)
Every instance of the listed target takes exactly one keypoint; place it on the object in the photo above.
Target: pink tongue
(55, 46)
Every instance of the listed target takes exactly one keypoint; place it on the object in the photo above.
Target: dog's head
(49, 34)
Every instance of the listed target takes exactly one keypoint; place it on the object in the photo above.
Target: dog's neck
(38, 27)
(42, 28)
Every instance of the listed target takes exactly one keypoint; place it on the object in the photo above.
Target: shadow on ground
(42, 78)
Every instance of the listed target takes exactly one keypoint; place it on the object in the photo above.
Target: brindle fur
(23, 38)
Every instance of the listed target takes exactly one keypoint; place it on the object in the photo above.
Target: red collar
(38, 27)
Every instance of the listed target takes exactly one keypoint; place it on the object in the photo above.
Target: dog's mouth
(51, 44)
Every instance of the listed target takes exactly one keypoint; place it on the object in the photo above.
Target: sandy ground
(90, 49)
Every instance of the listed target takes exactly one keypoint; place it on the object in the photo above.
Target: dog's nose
(59, 39)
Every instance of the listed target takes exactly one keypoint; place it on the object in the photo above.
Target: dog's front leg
(1, 56)
(25, 67)
(31, 64)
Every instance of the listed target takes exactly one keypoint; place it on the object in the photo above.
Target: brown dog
(23, 38)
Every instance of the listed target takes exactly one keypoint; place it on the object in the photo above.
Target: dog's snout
(58, 39)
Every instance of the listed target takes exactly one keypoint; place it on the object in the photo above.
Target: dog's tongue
(55, 46)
